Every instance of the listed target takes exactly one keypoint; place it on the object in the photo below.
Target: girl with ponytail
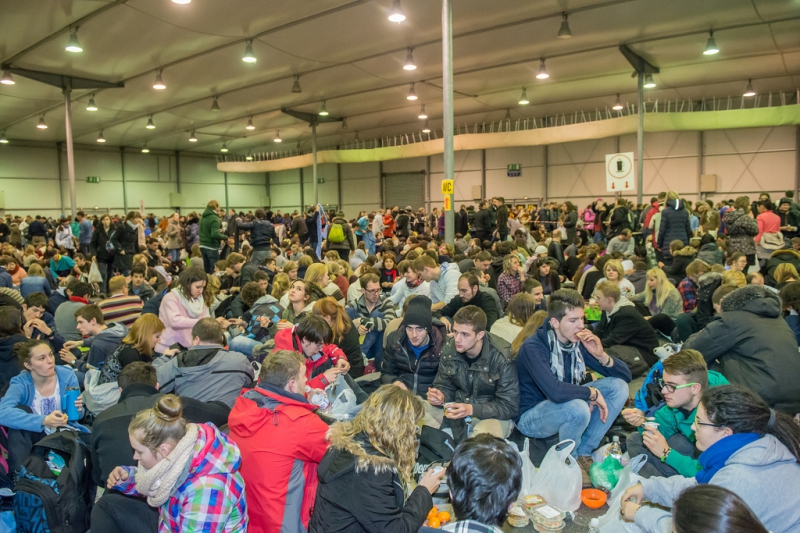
(189, 471)
(748, 448)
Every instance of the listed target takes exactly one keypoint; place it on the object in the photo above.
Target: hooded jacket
(205, 372)
(262, 233)
(625, 326)
(674, 226)
(751, 345)
(760, 473)
(401, 364)
(104, 343)
(9, 364)
(21, 392)
(281, 441)
(124, 238)
(287, 339)
(210, 494)
(347, 244)
(711, 254)
(680, 260)
(742, 231)
(779, 257)
(359, 490)
(210, 234)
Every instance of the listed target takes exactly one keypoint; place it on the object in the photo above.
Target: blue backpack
(54, 492)
(649, 398)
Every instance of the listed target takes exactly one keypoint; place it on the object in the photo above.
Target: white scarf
(557, 351)
(159, 482)
(194, 306)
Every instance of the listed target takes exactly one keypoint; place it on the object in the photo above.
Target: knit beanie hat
(418, 313)
(540, 250)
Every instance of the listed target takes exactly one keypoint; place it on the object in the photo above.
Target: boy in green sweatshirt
(670, 445)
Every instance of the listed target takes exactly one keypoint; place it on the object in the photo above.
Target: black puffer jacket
(777, 258)
(490, 384)
(9, 364)
(741, 231)
(674, 226)
(125, 238)
(400, 364)
(752, 345)
(262, 233)
(681, 260)
(359, 491)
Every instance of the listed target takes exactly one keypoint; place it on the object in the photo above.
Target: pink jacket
(179, 323)
(588, 219)
(768, 222)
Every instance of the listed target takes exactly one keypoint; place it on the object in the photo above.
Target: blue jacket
(31, 284)
(262, 233)
(21, 392)
(537, 382)
(5, 278)
(56, 298)
(794, 324)
(85, 231)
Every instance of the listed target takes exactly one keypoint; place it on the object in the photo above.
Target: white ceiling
(348, 53)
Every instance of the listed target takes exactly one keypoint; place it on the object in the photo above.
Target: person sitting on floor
(469, 293)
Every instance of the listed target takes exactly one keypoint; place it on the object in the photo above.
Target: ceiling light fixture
(323, 110)
(42, 125)
(617, 105)
(3, 138)
(91, 105)
(248, 157)
(426, 128)
(412, 95)
(749, 91)
(396, 14)
(410, 65)
(215, 104)
(249, 56)
(7, 79)
(181, 1)
(543, 74)
(711, 45)
(564, 32)
(145, 149)
(150, 124)
(250, 125)
(192, 138)
(224, 148)
(523, 99)
(648, 81)
(277, 138)
(159, 85)
(100, 137)
(296, 86)
(73, 45)
(422, 114)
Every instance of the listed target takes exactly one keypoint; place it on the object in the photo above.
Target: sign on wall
(619, 172)
(447, 205)
(514, 170)
(448, 186)
(92, 179)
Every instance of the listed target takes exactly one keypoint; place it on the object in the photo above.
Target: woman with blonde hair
(785, 273)
(280, 285)
(510, 281)
(660, 296)
(190, 472)
(734, 277)
(290, 269)
(345, 335)
(531, 326)
(335, 273)
(35, 281)
(366, 473)
(615, 273)
(138, 345)
(317, 274)
(520, 308)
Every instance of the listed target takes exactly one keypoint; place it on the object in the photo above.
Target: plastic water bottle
(615, 450)
(594, 525)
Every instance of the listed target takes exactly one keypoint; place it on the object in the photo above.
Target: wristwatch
(666, 454)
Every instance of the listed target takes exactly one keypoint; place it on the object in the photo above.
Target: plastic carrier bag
(605, 475)
(612, 522)
(528, 470)
(343, 404)
(559, 479)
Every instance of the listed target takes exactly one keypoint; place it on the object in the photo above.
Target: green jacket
(672, 421)
(210, 235)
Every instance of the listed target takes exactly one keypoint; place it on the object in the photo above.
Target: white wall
(746, 161)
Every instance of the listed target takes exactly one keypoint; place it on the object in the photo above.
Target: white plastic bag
(559, 479)
(342, 400)
(600, 454)
(528, 470)
(612, 522)
(94, 273)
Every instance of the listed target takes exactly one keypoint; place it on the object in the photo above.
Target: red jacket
(650, 212)
(281, 441)
(286, 339)
(390, 226)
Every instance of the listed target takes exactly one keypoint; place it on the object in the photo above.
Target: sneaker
(585, 462)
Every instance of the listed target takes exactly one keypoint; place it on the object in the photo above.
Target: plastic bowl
(593, 498)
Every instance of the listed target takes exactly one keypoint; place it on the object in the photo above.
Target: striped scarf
(557, 352)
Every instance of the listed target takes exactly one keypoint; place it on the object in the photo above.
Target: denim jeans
(369, 242)
(573, 420)
(244, 345)
(175, 255)
(372, 347)
(210, 257)
(259, 257)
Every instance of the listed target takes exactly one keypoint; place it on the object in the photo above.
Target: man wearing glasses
(370, 314)
(667, 439)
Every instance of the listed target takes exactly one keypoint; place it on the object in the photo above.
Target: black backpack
(62, 503)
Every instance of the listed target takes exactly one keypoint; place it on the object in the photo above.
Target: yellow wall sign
(447, 206)
(447, 187)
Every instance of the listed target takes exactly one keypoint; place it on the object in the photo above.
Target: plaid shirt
(383, 313)
(508, 285)
(688, 290)
(212, 497)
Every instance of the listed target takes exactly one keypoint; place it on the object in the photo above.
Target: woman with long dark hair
(181, 308)
(748, 448)
(102, 254)
(345, 336)
(711, 509)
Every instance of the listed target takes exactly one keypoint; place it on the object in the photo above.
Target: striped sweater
(385, 307)
(121, 308)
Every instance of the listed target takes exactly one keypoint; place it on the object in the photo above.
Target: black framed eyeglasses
(708, 424)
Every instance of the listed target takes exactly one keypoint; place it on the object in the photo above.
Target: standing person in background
(742, 229)
(125, 240)
(191, 231)
(674, 226)
(312, 224)
(570, 220)
(174, 239)
(340, 236)
(501, 217)
(482, 223)
(103, 256)
(64, 237)
(84, 234)
(210, 236)
(262, 235)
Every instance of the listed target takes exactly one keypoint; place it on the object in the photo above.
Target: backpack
(336, 234)
(51, 500)
(272, 311)
(648, 398)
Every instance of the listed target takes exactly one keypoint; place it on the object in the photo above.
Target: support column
(483, 173)
(447, 89)
(640, 142)
(266, 186)
(60, 173)
(225, 176)
(178, 175)
(701, 164)
(70, 152)
(314, 162)
(380, 184)
(544, 172)
(428, 184)
(302, 189)
(124, 186)
(797, 164)
(338, 186)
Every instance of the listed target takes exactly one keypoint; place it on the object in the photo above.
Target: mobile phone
(368, 326)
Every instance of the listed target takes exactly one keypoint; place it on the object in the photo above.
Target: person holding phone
(32, 407)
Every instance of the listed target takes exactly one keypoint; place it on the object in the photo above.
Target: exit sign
(92, 179)
(514, 171)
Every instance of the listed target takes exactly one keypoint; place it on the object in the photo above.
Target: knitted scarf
(414, 284)
(193, 306)
(159, 482)
(557, 352)
(715, 457)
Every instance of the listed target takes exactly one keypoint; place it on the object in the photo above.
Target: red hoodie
(281, 441)
(286, 339)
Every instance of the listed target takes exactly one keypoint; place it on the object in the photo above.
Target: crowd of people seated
(194, 358)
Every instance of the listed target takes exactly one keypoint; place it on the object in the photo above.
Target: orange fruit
(434, 523)
(433, 511)
(443, 516)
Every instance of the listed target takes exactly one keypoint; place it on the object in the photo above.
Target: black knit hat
(418, 313)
